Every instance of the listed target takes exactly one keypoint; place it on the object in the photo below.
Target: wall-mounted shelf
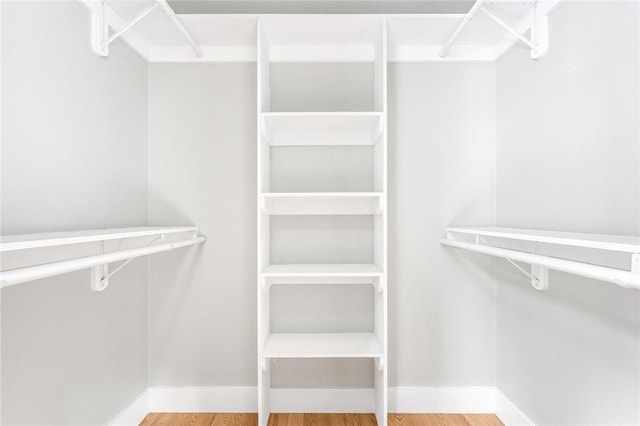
(322, 345)
(321, 203)
(50, 239)
(488, 240)
(322, 270)
(97, 263)
(475, 36)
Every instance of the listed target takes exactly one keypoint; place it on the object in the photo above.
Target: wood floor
(251, 419)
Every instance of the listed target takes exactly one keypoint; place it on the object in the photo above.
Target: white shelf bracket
(380, 364)
(539, 277)
(99, 274)
(99, 30)
(99, 278)
(539, 32)
(539, 42)
(635, 263)
(100, 39)
(377, 285)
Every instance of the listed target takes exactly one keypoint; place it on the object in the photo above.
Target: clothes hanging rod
(619, 277)
(30, 273)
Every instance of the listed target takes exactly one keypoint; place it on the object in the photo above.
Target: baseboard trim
(243, 399)
(134, 412)
(509, 413)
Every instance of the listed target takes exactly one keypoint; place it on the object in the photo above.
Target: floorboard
(318, 419)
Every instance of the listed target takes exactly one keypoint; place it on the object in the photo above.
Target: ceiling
(320, 6)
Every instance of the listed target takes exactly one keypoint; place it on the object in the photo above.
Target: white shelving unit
(492, 241)
(352, 39)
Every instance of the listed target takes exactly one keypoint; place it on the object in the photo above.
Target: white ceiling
(321, 6)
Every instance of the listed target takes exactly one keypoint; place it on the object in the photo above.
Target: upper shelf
(620, 243)
(344, 37)
(50, 239)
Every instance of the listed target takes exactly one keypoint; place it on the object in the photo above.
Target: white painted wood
(323, 345)
(50, 239)
(322, 128)
(322, 270)
(508, 412)
(201, 399)
(402, 399)
(263, 228)
(445, 399)
(622, 243)
(304, 38)
(309, 203)
(135, 412)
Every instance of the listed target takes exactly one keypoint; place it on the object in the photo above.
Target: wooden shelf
(322, 270)
(321, 128)
(50, 239)
(322, 345)
(321, 203)
(628, 244)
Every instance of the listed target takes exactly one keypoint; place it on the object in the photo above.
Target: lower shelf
(322, 345)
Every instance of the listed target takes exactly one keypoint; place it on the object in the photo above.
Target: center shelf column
(314, 122)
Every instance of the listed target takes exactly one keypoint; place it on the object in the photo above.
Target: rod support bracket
(539, 33)
(99, 30)
(539, 277)
(99, 278)
(380, 364)
(635, 263)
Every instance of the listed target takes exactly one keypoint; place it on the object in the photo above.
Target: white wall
(74, 134)
(202, 158)
(568, 158)
(441, 173)
(202, 170)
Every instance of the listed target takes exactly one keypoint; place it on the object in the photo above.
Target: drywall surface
(73, 157)
(568, 158)
(202, 170)
(441, 173)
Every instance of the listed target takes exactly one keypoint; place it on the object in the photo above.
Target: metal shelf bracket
(539, 42)
(100, 24)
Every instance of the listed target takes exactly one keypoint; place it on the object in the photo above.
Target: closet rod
(30, 273)
(619, 277)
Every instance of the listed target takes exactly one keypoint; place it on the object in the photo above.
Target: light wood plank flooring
(251, 419)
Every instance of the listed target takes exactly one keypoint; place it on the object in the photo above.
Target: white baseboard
(135, 411)
(509, 413)
(243, 399)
